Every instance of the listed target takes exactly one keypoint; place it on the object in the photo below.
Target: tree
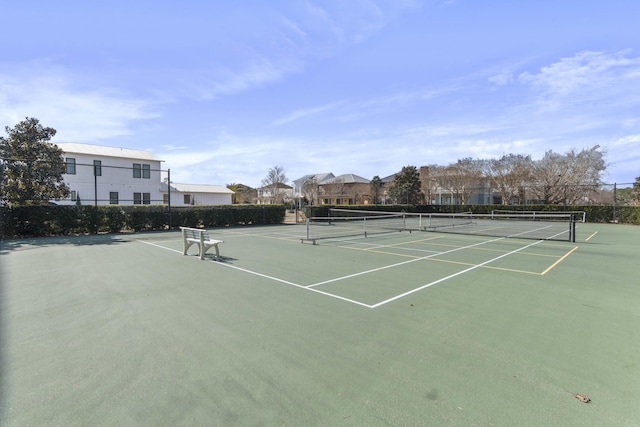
(376, 184)
(275, 182)
(333, 189)
(465, 178)
(32, 167)
(311, 191)
(242, 193)
(509, 174)
(566, 179)
(406, 186)
(635, 192)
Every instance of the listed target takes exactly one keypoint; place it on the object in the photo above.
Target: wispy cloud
(308, 112)
(78, 114)
(627, 141)
(299, 36)
(259, 71)
(586, 77)
(352, 109)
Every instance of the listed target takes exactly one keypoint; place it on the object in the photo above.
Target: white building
(196, 194)
(110, 175)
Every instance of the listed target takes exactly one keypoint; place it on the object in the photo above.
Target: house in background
(328, 189)
(109, 175)
(104, 175)
(307, 188)
(195, 194)
(347, 189)
(275, 194)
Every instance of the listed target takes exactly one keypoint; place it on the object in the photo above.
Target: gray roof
(317, 177)
(389, 178)
(197, 188)
(349, 178)
(103, 150)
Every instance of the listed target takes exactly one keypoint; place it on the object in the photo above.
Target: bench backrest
(195, 233)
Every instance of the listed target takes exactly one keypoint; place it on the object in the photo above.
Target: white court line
(295, 284)
(373, 270)
(158, 246)
(453, 275)
(310, 288)
(255, 273)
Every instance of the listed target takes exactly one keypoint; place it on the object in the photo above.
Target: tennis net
(333, 227)
(344, 223)
(578, 216)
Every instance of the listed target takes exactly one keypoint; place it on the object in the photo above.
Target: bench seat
(200, 237)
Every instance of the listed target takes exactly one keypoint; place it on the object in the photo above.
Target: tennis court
(399, 328)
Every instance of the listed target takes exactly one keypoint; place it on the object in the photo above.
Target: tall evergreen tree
(406, 186)
(32, 167)
(376, 185)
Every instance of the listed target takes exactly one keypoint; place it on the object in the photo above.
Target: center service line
(373, 270)
(453, 275)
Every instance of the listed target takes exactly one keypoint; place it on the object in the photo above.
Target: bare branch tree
(568, 178)
(509, 174)
(275, 182)
(310, 191)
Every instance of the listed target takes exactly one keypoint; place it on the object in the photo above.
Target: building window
(74, 195)
(187, 199)
(113, 197)
(70, 165)
(141, 171)
(141, 198)
(165, 199)
(97, 168)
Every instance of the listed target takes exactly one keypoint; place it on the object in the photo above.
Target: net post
(572, 230)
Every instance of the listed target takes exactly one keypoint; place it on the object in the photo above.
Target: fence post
(169, 195)
(615, 202)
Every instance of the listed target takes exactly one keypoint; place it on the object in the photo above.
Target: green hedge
(28, 221)
(54, 220)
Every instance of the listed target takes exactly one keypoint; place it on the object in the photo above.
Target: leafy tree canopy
(31, 166)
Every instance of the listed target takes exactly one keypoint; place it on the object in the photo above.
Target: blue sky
(223, 91)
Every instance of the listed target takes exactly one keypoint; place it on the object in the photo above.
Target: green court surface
(400, 329)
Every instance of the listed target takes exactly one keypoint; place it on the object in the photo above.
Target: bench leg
(187, 245)
(205, 248)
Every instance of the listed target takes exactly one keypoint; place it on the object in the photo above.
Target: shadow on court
(8, 245)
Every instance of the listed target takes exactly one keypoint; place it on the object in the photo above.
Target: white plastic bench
(200, 237)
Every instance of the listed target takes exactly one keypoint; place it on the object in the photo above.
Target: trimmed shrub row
(55, 220)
